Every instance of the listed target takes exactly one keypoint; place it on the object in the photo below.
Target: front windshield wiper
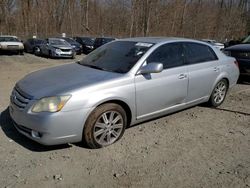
(91, 66)
(99, 68)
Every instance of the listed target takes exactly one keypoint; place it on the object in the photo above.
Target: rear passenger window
(170, 55)
(198, 53)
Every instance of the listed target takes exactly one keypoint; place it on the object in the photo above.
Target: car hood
(239, 47)
(62, 47)
(62, 79)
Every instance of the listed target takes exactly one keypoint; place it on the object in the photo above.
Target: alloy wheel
(220, 92)
(108, 127)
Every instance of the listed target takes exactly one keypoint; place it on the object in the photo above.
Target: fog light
(35, 134)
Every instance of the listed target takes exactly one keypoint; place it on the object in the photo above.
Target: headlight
(58, 51)
(89, 46)
(50, 104)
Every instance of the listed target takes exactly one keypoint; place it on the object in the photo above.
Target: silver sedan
(120, 84)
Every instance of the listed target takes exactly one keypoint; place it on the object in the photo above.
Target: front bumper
(63, 54)
(11, 48)
(50, 128)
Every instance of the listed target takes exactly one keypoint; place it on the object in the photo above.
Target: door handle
(182, 76)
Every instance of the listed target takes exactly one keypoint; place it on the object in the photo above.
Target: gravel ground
(197, 147)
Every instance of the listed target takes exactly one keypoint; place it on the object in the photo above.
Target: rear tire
(105, 125)
(50, 55)
(219, 93)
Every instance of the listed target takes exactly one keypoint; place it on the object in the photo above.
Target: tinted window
(170, 55)
(39, 41)
(246, 40)
(58, 42)
(8, 39)
(106, 40)
(118, 56)
(88, 41)
(198, 53)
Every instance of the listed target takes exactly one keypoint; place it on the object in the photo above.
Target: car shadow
(13, 135)
(10, 53)
(245, 80)
(226, 110)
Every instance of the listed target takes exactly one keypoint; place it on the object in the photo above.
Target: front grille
(12, 46)
(65, 50)
(19, 98)
(241, 55)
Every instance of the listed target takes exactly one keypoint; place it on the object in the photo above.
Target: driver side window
(170, 55)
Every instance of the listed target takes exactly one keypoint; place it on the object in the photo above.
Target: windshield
(70, 40)
(106, 40)
(8, 39)
(119, 56)
(88, 41)
(58, 42)
(246, 40)
(39, 41)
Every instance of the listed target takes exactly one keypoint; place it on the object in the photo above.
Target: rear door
(203, 69)
(158, 91)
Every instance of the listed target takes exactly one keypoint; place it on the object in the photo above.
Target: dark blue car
(241, 52)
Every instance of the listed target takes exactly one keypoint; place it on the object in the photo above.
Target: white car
(11, 44)
(216, 44)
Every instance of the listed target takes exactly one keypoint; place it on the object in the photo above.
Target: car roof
(64, 37)
(35, 39)
(55, 38)
(8, 36)
(105, 38)
(84, 37)
(208, 40)
(158, 39)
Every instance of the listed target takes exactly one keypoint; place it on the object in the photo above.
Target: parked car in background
(218, 45)
(87, 43)
(117, 85)
(31, 44)
(76, 45)
(11, 44)
(242, 54)
(101, 41)
(239, 41)
(55, 47)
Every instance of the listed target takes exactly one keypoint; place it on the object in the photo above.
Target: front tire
(21, 52)
(219, 93)
(73, 55)
(37, 51)
(105, 125)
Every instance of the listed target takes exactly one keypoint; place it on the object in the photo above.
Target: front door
(156, 92)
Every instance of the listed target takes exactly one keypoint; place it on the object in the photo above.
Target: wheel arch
(123, 104)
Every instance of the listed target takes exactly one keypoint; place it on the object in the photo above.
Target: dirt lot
(197, 147)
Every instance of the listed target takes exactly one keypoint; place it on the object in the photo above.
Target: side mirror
(151, 68)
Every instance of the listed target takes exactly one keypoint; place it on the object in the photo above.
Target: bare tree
(217, 19)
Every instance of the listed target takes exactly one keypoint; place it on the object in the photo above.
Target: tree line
(215, 19)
